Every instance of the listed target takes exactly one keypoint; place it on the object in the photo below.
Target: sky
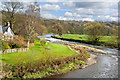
(79, 10)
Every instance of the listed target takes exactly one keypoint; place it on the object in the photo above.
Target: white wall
(9, 34)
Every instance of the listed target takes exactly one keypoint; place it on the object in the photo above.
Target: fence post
(15, 50)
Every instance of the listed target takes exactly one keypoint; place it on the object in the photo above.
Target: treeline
(77, 27)
(46, 26)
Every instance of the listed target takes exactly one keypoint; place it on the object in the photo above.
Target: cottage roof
(3, 29)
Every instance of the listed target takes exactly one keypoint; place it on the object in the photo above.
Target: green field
(39, 61)
(85, 37)
(38, 53)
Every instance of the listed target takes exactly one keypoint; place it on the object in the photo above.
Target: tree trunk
(28, 43)
(60, 35)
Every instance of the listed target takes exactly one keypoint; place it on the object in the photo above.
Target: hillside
(75, 27)
(47, 26)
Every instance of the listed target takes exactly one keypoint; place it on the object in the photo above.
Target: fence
(15, 50)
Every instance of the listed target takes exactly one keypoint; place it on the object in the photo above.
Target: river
(106, 66)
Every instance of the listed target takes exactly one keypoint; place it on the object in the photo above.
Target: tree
(60, 29)
(41, 29)
(20, 22)
(95, 30)
(57, 29)
(32, 13)
(114, 33)
(10, 9)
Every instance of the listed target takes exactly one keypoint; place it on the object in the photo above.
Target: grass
(85, 37)
(74, 36)
(39, 61)
(38, 53)
(108, 39)
(42, 59)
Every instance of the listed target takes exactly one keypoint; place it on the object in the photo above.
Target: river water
(106, 66)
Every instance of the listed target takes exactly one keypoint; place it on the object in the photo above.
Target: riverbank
(90, 60)
(87, 48)
(55, 59)
(105, 44)
(102, 69)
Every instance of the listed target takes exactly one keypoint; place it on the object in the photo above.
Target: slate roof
(3, 29)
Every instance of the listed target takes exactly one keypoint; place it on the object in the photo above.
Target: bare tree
(10, 9)
(32, 13)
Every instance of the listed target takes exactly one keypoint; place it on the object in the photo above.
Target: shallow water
(106, 66)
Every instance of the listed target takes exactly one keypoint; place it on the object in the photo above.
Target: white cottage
(6, 32)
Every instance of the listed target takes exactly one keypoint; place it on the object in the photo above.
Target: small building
(6, 33)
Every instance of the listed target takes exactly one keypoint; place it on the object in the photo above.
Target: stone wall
(15, 50)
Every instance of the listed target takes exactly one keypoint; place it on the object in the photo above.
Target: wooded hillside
(47, 26)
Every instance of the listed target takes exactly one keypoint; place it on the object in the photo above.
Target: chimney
(9, 24)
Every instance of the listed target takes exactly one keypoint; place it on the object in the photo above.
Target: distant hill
(75, 27)
(46, 26)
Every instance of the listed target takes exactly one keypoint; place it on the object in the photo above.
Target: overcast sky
(85, 10)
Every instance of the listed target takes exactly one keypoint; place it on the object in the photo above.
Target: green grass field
(38, 53)
(85, 37)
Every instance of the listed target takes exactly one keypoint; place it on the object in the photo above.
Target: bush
(5, 45)
(36, 38)
(13, 44)
(17, 42)
(43, 41)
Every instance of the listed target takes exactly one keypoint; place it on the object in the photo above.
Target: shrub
(5, 45)
(17, 42)
(36, 38)
(43, 41)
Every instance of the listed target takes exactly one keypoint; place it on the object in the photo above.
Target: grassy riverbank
(85, 37)
(107, 41)
(40, 61)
